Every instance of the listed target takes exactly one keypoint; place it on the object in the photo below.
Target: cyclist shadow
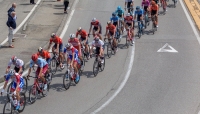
(170, 6)
(122, 46)
(88, 74)
(58, 87)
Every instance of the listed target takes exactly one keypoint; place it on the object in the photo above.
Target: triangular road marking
(167, 50)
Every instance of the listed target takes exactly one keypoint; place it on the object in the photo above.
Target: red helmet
(34, 57)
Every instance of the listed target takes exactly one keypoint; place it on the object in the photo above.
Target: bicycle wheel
(153, 31)
(95, 68)
(109, 50)
(8, 108)
(66, 80)
(22, 102)
(102, 66)
(8, 91)
(33, 91)
(45, 92)
(25, 87)
(49, 78)
(139, 31)
(127, 41)
(113, 49)
(53, 66)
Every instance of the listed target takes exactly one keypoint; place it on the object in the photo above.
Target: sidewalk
(49, 17)
(194, 8)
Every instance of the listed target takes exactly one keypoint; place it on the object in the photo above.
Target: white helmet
(53, 35)
(79, 29)
(68, 45)
(40, 49)
(11, 72)
(72, 35)
(94, 19)
(128, 14)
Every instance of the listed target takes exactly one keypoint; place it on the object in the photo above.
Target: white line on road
(122, 84)
(22, 23)
(191, 23)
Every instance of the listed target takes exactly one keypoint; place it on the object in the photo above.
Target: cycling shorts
(45, 68)
(145, 8)
(60, 47)
(153, 12)
(48, 60)
(83, 39)
(14, 86)
(98, 49)
(96, 28)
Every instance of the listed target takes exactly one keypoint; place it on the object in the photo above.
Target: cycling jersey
(100, 43)
(154, 9)
(17, 80)
(19, 63)
(128, 19)
(70, 52)
(119, 12)
(145, 3)
(96, 23)
(56, 40)
(111, 28)
(83, 34)
(44, 54)
(75, 43)
(40, 62)
(140, 12)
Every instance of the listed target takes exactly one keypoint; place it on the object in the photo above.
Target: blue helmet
(138, 7)
(119, 8)
(113, 14)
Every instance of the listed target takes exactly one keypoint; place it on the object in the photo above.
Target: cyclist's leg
(86, 47)
(75, 67)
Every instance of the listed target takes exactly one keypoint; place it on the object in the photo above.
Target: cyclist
(96, 29)
(145, 4)
(99, 44)
(154, 12)
(140, 14)
(72, 58)
(16, 87)
(129, 23)
(110, 32)
(41, 69)
(120, 14)
(57, 48)
(115, 21)
(83, 38)
(44, 54)
(19, 65)
(76, 43)
(128, 4)
(163, 2)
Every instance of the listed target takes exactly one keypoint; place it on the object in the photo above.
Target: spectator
(66, 3)
(11, 26)
(32, 1)
(128, 4)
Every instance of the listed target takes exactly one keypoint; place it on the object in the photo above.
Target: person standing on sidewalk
(66, 3)
(11, 26)
(12, 9)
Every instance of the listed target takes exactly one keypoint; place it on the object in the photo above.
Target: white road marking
(167, 50)
(22, 23)
(191, 23)
(122, 84)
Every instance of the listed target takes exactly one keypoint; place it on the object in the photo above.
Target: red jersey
(75, 43)
(83, 34)
(44, 54)
(111, 28)
(128, 19)
(56, 40)
(96, 23)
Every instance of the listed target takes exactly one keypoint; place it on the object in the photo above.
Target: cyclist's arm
(98, 28)
(72, 58)
(49, 46)
(30, 66)
(79, 46)
(106, 32)
(114, 32)
(58, 47)
(90, 28)
(40, 73)
(20, 69)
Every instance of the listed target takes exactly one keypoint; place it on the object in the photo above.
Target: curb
(59, 30)
(194, 8)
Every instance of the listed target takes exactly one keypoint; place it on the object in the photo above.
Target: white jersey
(19, 63)
(97, 44)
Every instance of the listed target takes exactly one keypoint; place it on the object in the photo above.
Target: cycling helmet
(79, 29)
(34, 57)
(53, 35)
(14, 58)
(68, 45)
(137, 7)
(96, 38)
(72, 35)
(109, 22)
(11, 72)
(113, 14)
(128, 14)
(118, 7)
(40, 49)
(94, 20)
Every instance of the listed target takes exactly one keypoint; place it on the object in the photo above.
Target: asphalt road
(159, 83)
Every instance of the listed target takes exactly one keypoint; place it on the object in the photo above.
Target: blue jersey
(141, 12)
(114, 19)
(16, 80)
(119, 12)
(40, 62)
